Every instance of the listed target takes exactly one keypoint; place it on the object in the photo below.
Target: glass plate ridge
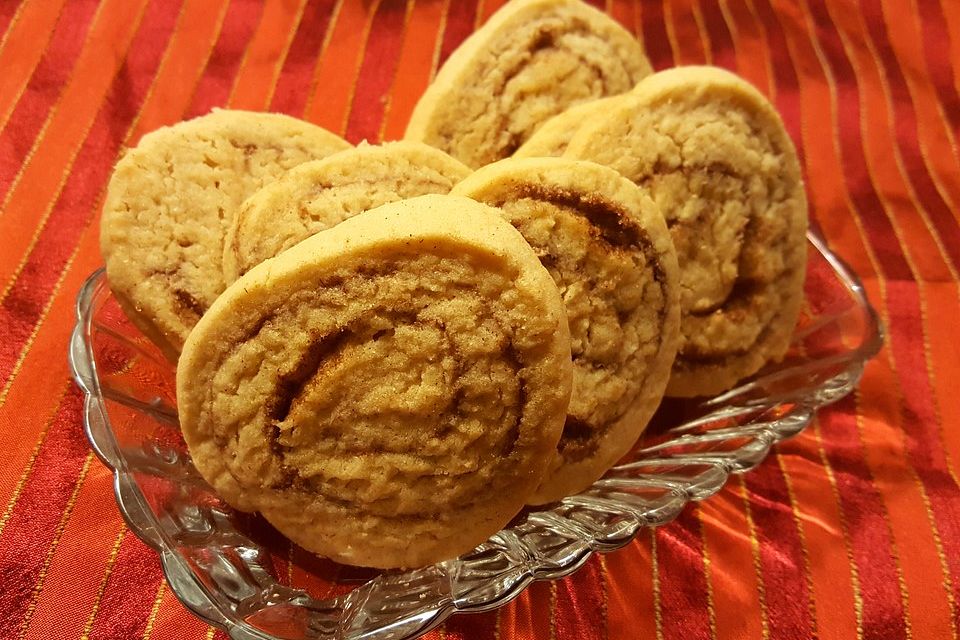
(223, 565)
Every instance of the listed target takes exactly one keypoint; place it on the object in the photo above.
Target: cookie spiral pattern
(608, 250)
(317, 195)
(388, 392)
(171, 199)
(714, 155)
(532, 60)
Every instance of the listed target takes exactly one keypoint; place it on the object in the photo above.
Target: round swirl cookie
(530, 61)
(171, 199)
(609, 252)
(553, 136)
(317, 195)
(388, 392)
(714, 155)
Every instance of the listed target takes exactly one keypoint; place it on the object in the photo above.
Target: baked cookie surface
(530, 61)
(608, 250)
(317, 195)
(388, 392)
(170, 200)
(553, 136)
(715, 157)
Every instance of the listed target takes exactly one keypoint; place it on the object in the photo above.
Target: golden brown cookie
(530, 61)
(714, 155)
(388, 392)
(171, 199)
(317, 195)
(553, 136)
(608, 250)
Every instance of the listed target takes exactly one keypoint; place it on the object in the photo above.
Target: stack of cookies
(388, 350)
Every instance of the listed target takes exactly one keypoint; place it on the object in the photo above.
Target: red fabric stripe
(415, 64)
(936, 42)
(943, 351)
(721, 42)
(683, 584)
(255, 82)
(752, 59)
(30, 529)
(21, 49)
(460, 20)
(878, 228)
(623, 12)
(472, 626)
(907, 134)
(43, 89)
(529, 616)
(174, 622)
(924, 445)
(486, 8)
(184, 64)
(785, 73)
(293, 85)
(54, 151)
(830, 206)
(655, 38)
(44, 369)
(951, 16)
(726, 536)
(788, 99)
(123, 611)
(883, 614)
(76, 206)
(334, 82)
(825, 539)
(903, 306)
(690, 46)
(7, 11)
(376, 72)
(238, 27)
(781, 557)
(630, 600)
(920, 420)
(580, 607)
(72, 580)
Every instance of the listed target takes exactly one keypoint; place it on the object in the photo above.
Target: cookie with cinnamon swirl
(171, 199)
(317, 195)
(608, 250)
(530, 61)
(714, 155)
(388, 392)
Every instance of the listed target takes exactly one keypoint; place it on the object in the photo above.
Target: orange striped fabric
(852, 529)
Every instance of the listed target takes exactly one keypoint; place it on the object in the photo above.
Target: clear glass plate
(233, 570)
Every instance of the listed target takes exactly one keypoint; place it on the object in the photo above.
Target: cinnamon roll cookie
(171, 199)
(608, 250)
(714, 155)
(553, 136)
(388, 392)
(532, 60)
(317, 195)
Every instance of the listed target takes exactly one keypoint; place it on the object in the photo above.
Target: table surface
(851, 529)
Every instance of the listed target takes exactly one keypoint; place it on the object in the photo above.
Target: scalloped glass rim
(224, 576)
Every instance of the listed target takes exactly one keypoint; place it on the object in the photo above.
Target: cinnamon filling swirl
(613, 285)
(723, 172)
(415, 378)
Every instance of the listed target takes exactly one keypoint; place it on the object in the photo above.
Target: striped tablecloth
(851, 529)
